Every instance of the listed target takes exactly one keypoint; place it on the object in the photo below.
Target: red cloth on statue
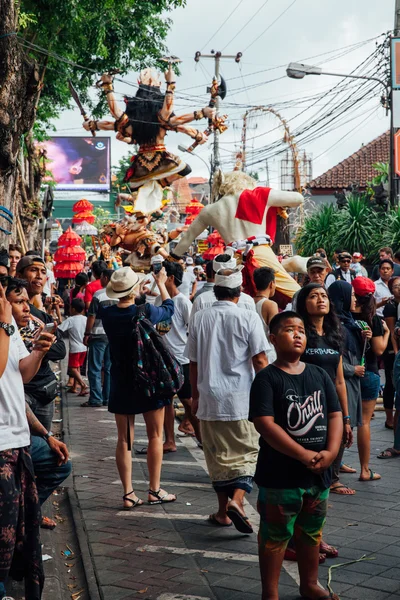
(252, 206)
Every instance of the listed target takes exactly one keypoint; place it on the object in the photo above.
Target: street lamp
(183, 149)
(299, 71)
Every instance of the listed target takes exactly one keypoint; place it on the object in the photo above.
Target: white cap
(189, 260)
(231, 264)
(156, 259)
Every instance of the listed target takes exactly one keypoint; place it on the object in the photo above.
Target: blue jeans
(99, 355)
(49, 475)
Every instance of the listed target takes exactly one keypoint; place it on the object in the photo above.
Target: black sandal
(160, 499)
(137, 502)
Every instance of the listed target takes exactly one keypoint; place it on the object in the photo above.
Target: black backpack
(156, 371)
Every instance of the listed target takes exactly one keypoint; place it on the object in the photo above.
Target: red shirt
(91, 288)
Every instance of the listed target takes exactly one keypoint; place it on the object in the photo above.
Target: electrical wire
(224, 23)
(247, 23)
(269, 26)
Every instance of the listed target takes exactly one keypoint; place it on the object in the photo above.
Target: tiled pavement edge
(166, 552)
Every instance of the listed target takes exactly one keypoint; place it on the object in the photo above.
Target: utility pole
(216, 56)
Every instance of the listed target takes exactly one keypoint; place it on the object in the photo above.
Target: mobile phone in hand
(157, 268)
(49, 328)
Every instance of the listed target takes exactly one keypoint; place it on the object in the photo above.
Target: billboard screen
(79, 163)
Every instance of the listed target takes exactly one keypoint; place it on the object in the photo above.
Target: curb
(93, 588)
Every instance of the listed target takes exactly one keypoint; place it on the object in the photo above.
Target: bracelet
(198, 114)
(93, 126)
(198, 137)
(109, 92)
(107, 87)
(346, 418)
(170, 92)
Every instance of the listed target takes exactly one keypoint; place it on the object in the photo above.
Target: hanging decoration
(69, 257)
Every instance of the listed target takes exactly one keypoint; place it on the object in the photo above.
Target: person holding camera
(42, 389)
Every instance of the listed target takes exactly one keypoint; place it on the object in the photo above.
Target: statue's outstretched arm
(200, 223)
(196, 115)
(98, 125)
(108, 89)
(199, 136)
(168, 106)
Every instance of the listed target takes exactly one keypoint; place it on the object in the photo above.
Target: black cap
(316, 261)
(27, 261)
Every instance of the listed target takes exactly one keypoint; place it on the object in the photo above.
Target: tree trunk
(19, 80)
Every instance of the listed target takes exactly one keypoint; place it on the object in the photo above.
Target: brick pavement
(166, 552)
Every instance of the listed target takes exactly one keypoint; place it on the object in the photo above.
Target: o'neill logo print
(303, 412)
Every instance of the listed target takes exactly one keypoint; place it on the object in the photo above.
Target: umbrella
(194, 207)
(69, 253)
(86, 228)
(82, 205)
(69, 238)
(214, 251)
(85, 215)
(68, 270)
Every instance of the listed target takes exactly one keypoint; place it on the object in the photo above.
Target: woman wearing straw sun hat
(126, 401)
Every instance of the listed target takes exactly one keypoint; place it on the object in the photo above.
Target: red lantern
(67, 270)
(82, 205)
(69, 253)
(194, 207)
(69, 238)
(84, 215)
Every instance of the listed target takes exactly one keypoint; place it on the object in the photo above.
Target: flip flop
(141, 450)
(214, 521)
(327, 550)
(388, 453)
(372, 476)
(240, 521)
(168, 450)
(388, 426)
(85, 392)
(88, 405)
(334, 490)
(346, 469)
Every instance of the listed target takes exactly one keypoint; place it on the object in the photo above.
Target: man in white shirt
(226, 344)
(175, 336)
(207, 299)
(344, 272)
(189, 264)
(18, 487)
(188, 286)
(382, 293)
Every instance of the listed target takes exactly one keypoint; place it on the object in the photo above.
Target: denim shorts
(370, 385)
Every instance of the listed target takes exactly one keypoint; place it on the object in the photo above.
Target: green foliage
(119, 173)
(100, 35)
(355, 228)
(383, 173)
(255, 175)
(318, 231)
(102, 217)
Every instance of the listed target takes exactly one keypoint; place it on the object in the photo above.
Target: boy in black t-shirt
(296, 411)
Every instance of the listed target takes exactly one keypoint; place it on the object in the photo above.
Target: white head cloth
(231, 264)
(230, 281)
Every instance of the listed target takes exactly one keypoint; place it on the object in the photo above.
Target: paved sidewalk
(170, 552)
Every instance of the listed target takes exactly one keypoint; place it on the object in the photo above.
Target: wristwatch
(8, 328)
(48, 435)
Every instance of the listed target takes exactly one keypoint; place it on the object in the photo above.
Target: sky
(270, 34)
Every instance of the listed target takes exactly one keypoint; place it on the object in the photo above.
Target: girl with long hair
(324, 349)
(376, 340)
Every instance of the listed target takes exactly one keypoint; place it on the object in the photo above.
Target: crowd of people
(271, 396)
